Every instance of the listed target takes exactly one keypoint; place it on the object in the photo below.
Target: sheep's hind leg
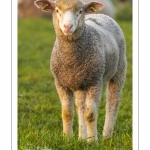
(67, 109)
(112, 104)
(80, 104)
(91, 112)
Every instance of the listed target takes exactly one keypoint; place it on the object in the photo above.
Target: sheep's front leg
(91, 111)
(67, 109)
(80, 104)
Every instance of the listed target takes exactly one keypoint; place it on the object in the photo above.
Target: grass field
(39, 109)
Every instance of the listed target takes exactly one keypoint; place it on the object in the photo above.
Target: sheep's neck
(77, 45)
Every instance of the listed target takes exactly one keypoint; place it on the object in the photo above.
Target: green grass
(39, 109)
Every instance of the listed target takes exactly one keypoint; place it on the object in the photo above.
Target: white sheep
(89, 51)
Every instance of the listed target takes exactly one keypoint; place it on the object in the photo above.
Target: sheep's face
(68, 14)
(69, 20)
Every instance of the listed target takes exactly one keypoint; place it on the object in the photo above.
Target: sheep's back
(105, 23)
(113, 40)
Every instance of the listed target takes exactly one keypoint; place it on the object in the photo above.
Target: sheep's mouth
(66, 33)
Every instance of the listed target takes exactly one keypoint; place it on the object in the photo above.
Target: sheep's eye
(57, 11)
(80, 11)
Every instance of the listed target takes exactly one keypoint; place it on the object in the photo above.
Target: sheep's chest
(75, 68)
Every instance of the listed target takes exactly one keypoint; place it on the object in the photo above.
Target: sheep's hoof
(81, 138)
(92, 139)
(68, 137)
(107, 136)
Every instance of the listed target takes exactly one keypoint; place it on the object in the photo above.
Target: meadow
(39, 109)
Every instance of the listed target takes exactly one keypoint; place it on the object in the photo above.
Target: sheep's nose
(68, 26)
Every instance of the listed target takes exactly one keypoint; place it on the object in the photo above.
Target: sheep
(89, 51)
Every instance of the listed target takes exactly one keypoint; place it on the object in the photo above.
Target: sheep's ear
(45, 5)
(93, 7)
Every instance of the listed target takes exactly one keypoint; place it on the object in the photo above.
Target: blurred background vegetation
(122, 9)
(39, 109)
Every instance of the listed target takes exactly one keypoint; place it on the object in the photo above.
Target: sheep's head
(68, 15)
